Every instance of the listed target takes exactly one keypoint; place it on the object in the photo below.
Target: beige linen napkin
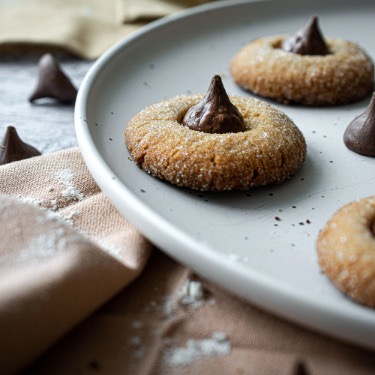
(85, 28)
(53, 276)
(65, 252)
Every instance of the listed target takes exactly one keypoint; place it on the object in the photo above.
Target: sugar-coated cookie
(304, 68)
(346, 250)
(269, 149)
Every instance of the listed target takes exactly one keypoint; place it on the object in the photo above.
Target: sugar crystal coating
(270, 150)
(343, 76)
(346, 250)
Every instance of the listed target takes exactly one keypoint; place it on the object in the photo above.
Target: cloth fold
(138, 10)
(54, 276)
(80, 293)
(85, 28)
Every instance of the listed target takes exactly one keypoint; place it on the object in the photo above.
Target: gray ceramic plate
(233, 238)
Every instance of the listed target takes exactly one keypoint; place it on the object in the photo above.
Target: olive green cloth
(85, 28)
(138, 10)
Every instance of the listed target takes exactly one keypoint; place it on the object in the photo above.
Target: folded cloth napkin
(85, 28)
(53, 276)
(80, 294)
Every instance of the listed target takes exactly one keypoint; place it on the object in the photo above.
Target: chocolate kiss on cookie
(53, 82)
(307, 41)
(359, 136)
(215, 113)
(12, 148)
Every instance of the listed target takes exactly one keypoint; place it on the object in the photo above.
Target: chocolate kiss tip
(53, 82)
(307, 41)
(12, 148)
(215, 113)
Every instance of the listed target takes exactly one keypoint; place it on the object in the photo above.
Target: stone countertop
(46, 125)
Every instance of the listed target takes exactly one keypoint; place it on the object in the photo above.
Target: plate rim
(113, 187)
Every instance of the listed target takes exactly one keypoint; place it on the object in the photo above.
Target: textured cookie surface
(270, 150)
(346, 250)
(345, 75)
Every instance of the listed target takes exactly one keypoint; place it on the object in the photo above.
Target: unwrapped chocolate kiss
(53, 82)
(12, 148)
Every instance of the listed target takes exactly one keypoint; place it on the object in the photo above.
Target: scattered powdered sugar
(65, 176)
(71, 192)
(217, 345)
(137, 324)
(29, 200)
(192, 293)
(68, 217)
(135, 343)
(110, 249)
(166, 307)
(54, 204)
(43, 246)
